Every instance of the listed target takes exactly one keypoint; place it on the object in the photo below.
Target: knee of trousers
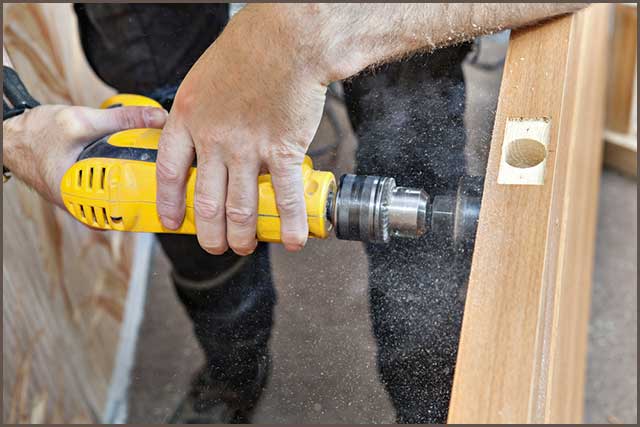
(234, 304)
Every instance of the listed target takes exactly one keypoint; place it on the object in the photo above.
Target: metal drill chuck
(456, 216)
(374, 209)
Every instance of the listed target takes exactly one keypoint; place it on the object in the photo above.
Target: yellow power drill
(112, 186)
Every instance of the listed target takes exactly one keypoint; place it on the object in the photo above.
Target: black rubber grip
(15, 91)
(102, 149)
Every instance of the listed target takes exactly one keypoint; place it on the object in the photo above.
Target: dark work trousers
(409, 120)
(408, 117)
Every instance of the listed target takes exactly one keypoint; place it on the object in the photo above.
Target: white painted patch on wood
(524, 151)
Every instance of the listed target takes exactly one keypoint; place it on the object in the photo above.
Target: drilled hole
(525, 153)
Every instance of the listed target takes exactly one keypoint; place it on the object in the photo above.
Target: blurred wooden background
(64, 286)
(621, 134)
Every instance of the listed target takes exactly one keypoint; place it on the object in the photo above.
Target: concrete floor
(612, 373)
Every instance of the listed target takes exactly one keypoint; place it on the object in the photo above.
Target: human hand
(252, 103)
(39, 145)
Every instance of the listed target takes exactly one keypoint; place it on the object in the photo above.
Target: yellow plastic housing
(117, 194)
(130, 100)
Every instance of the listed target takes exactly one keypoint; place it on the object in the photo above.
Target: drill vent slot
(102, 177)
(93, 215)
(80, 178)
(91, 178)
(105, 217)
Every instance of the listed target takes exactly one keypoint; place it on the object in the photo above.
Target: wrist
(337, 51)
(12, 131)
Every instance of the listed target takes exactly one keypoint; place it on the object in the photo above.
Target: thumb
(80, 126)
(103, 122)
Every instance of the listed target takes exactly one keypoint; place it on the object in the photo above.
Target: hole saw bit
(112, 186)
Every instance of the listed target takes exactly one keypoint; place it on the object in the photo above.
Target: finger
(242, 207)
(175, 156)
(288, 185)
(93, 123)
(210, 194)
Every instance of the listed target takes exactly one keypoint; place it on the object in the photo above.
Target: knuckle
(167, 172)
(167, 137)
(284, 156)
(207, 208)
(127, 118)
(238, 156)
(67, 121)
(205, 137)
(240, 216)
(289, 205)
(209, 144)
(167, 207)
(185, 100)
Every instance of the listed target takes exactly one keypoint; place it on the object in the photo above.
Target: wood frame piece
(623, 70)
(621, 140)
(522, 351)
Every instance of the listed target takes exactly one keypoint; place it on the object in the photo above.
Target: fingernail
(254, 249)
(169, 223)
(295, 247)
(154, 117)
(250, 251)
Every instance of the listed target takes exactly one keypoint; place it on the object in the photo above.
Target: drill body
(112, 186)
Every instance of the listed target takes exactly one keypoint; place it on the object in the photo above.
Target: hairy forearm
(343, 39)
(253, 102)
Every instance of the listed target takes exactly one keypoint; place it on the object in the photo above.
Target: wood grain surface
(64, 286)
(523, 343)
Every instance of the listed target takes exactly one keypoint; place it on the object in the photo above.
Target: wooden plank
(522, 349)
(623, 71)
(64, 286)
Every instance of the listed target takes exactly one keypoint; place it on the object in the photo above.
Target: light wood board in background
(522, 352)
(64, 286)
(621, 139)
